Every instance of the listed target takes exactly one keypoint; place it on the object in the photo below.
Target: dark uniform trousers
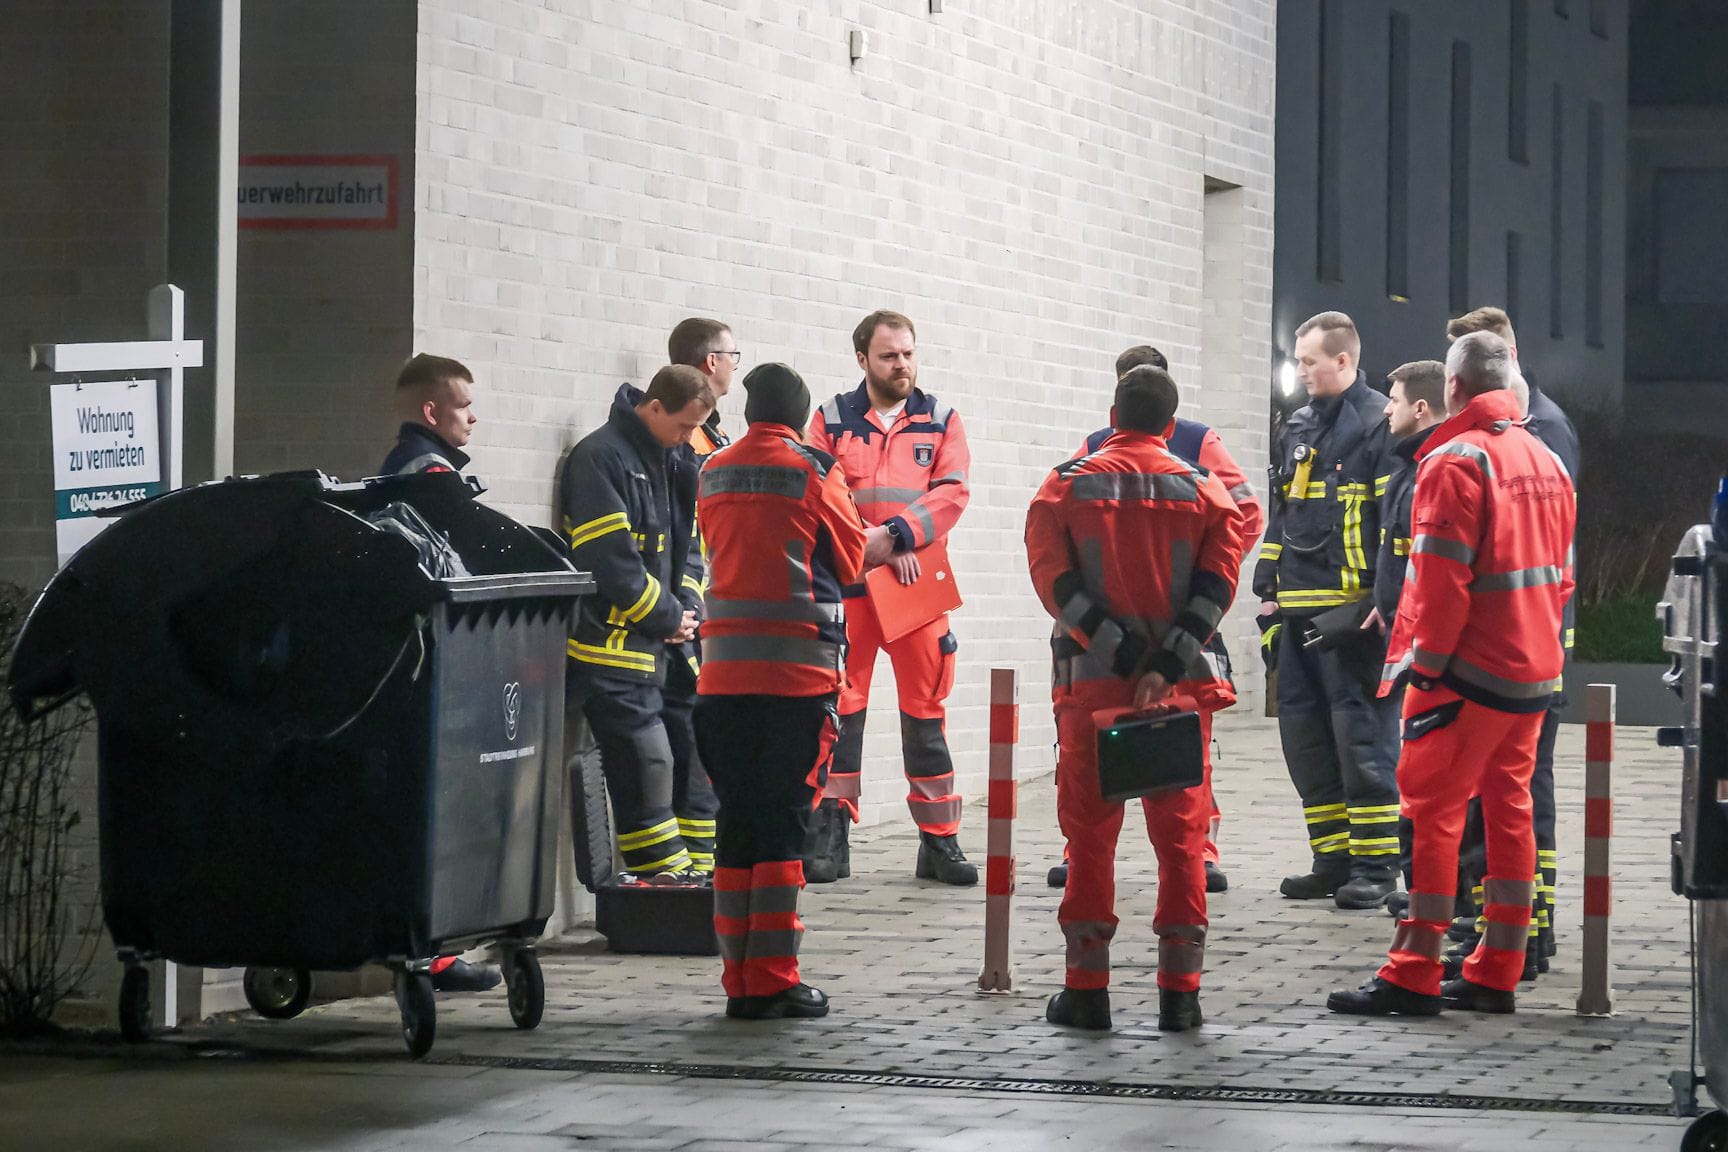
(624, 716)
(694, 803)
(768, 757)
(1341, 745)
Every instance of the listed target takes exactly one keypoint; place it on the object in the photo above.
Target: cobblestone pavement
(900, 958)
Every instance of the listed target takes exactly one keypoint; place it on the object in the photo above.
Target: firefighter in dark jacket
(1548, 423)
(626, 526)
(707, 346)
(1340, 741)
(436, 396)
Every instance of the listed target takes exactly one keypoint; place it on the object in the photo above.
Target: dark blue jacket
(419, 449)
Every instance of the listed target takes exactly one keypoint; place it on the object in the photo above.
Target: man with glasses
(707, 346)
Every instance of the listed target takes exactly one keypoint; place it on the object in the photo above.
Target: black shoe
(1178, 1011)
(940, 858)
(820, 863)
(1216, 881)
(465, 977)
(1452, 963)
(1462, 930)
(1057, 877)
(1397, 904)
(1322, 882)
(1464, 996)
(744, 1007)
(1087, 1008)
(799, 1001)
(1382, 998)
(1364, 890)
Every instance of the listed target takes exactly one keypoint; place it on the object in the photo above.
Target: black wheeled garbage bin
(313, 752)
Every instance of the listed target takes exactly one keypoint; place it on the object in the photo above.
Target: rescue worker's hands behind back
(1150, 689)
(905, 567)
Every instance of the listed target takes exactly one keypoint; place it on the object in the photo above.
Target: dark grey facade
(1434, 157)
(1677, 218)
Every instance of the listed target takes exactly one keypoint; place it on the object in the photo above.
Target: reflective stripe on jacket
(1490, 562)
(1327, 477)
(1201, 446)
(783, 537)
(1136, 555)
(912, 477)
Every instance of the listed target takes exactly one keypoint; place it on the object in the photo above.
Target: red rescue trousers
(1176, 825)
(1211, 851)
(1454, 749)
(923, 676)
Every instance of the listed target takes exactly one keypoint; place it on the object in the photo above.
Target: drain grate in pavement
(1096, 1088)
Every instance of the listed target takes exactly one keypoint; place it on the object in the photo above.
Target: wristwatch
(894, 532)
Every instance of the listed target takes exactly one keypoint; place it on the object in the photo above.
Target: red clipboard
(904, 608)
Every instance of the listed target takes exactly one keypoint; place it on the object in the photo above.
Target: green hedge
(1623, 630)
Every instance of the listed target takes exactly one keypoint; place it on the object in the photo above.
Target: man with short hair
(1136, 555)
(784, 538)
(1477, 642)
(1548, 423)
(436, 396)
(1340, 742)
(707, 346)
(905, 460)
(627, 527)
(436, 399)
(1416, 403)
(1202, 447)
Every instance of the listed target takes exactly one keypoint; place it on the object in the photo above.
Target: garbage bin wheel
(1708, 1133)
(419, 1011)
(527, 988)
(277, 993)
(135, 1004)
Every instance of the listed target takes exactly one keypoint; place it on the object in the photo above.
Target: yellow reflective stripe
(644, 603)
(598, 527)
(697, 586)
(1380, 483)
(697, 827)
(642, 838)
(1373, 812)
(1337, 841)
(1400, 545)
(1353, 554)
(673, 863)
(1374, 847)
(1271, 551)
(1353, 488)
(1323, 811)
(610, 657)
(1319, 598)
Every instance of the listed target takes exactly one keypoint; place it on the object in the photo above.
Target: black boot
(1057, 877)
(1328, 875)
(1368, 886)
(1397, 904)
(1178, 1011)
(820, 867)
(799, 1001)
(1380, 997)
(465, 977)
(1466, 996)
(1216, 881)
(940, 858)
(842, 844)
(1087, 1008)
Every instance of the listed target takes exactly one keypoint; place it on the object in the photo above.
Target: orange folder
(905, 608)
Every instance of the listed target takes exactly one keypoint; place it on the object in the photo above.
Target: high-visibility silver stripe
(1444, 548)
(797, 611)
(733, 905)
(886, 495)
(1242, 492)
(1180, 957)
(1499, 685)
(1505, 937)
(922, 515)
(776, 900)
(798, 571)
(1208, 610)
(772, 649)
(753, 480)
(1500, 891)
(1075, 610)
(1430, 906)
(1136, 486)
(1105, 641)
(773, 943)
(1393, 669)
(1418, 939)
(1518, 578)
(1182, 642)
(1469, 452)
(950, 478)
(831, 411)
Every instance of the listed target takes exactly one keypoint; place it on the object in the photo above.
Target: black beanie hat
(777, 395)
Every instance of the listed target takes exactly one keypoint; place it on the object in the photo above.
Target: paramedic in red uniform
(904, 456)
(1478, 640)
(1136, 554)
(783, 537)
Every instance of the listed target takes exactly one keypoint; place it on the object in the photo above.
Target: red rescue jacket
(912, 477)
(1490, 562)
(1136, 554)
(783, 538)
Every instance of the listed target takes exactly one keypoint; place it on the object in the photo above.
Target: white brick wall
(1022, 177)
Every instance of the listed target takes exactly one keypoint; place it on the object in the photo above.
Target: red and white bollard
(997, 974)
(1596, 996)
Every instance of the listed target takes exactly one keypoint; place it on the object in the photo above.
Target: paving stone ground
(900, 958)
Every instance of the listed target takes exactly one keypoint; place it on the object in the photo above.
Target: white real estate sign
(107, 452)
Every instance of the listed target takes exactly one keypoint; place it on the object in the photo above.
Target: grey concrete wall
(1505, 194)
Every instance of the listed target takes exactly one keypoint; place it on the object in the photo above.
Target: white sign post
(116, 441)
